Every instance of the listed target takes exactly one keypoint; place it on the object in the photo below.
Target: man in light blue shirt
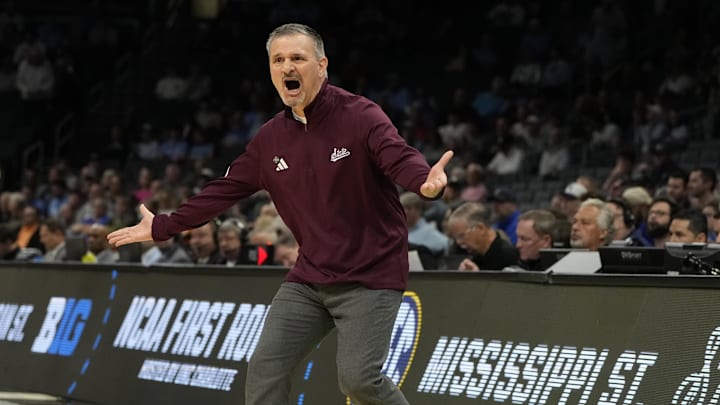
(421, 232)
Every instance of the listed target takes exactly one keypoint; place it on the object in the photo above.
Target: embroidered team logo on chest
(280, 163)
(339, 153)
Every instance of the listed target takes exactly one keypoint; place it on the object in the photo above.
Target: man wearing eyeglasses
(655, 230)
(471, 228)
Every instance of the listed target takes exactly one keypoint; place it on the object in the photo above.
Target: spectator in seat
(689, 226)
(99, 250)
(505, 206)
(592, 225)
(555, 157)
(638, 200)
(701, 186)
(571, 197)
(534, 232)
(676, 188)
(52, 236)
(623, 221)
(508, 158)
(471, 228)
(230, 237)
(421, 232)
(167, 251)
(286, 250)
(474, 188)
(655, 230)
(203, 245)
(99, 214)
(28, 236)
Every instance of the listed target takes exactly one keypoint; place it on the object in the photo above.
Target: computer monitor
(692, 258)
(632, 260)
(428, 259)
(75, 248)
(577, 261)
(130, 253)
(550, 256)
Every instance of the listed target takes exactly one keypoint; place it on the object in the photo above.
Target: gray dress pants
(301, 316)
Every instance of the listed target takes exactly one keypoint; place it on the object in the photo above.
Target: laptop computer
(414, 261)
(632, 260)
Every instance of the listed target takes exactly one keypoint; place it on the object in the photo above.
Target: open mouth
(292, 84)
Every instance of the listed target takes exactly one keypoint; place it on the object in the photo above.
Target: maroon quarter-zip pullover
(333, 183)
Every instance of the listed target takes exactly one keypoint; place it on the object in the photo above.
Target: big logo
(63, 326)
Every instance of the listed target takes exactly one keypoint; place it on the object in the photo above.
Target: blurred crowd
(529, 94)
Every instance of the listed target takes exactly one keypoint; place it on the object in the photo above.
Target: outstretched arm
(437, 178)
(137, 233)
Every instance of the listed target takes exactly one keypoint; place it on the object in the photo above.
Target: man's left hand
(436, 179)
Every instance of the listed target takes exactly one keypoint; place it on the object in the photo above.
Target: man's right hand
(468, 265)
(138, 233)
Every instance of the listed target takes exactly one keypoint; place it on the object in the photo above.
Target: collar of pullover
(318, 107)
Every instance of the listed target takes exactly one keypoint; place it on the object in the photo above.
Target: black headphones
(628, 216)
(214, 226)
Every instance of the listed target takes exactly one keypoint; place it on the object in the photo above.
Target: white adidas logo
(338, 154)
(280, 164)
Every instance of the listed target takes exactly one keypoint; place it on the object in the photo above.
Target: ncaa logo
(404, 339)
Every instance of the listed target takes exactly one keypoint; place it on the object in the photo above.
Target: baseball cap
(503, 194)
(575, 190)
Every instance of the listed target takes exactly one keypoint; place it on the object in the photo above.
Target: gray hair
(605, 217)
(544, 221)
(409, 199)
(232, 224)
(297, 29)
(472, 213)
